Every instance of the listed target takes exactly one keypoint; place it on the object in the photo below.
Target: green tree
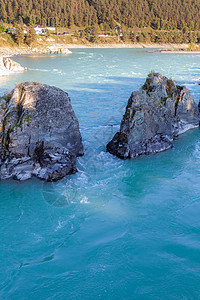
(31, 36)
(94, 34)
(2, 28)
(3, 12)
(71, 20)
(19, 35)
(76, 34)
(47, 33)
(159, 15)
(191, 25)
(133, 37)
(124, 36)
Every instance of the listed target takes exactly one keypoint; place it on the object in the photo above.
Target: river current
(117, 229)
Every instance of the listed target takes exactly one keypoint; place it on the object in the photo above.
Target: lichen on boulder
(39, 133)
(155, 115)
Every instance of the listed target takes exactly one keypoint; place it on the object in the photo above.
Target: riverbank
(53, 48)
(178, 51)
(16, 51)
(126, 45)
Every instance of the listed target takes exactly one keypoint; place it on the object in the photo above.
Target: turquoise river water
(117, 229)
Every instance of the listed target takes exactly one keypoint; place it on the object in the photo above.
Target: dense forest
(155, 14)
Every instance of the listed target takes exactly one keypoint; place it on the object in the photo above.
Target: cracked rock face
(39, 133)
(155, 115)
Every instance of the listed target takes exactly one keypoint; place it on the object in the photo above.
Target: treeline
(155, 14)
(141, 36)
(161, 36)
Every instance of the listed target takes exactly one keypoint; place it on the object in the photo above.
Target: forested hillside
(157, 14)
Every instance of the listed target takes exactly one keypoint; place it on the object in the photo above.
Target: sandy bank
(134, 46)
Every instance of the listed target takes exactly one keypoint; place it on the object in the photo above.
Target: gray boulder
(39, 133)
(155, 115)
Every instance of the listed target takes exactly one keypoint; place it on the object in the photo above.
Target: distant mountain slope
(159, 14)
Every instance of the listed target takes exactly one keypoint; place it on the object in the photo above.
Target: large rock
(9, 66)
(155, 115)
(39, 133)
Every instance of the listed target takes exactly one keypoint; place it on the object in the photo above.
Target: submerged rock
(39, 133)
(155, 115)
(9, 66)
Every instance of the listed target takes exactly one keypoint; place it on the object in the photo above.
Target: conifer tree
(157, 14)
(2, 28)
(94, 34)
(31, 36)
(19, 35)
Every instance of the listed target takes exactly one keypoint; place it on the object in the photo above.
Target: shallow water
(116, 229)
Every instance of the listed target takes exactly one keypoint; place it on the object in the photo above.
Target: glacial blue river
(117, 229)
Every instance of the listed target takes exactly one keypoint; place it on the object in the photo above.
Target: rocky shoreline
(64, 48)
(52, 49)
(8, 66)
